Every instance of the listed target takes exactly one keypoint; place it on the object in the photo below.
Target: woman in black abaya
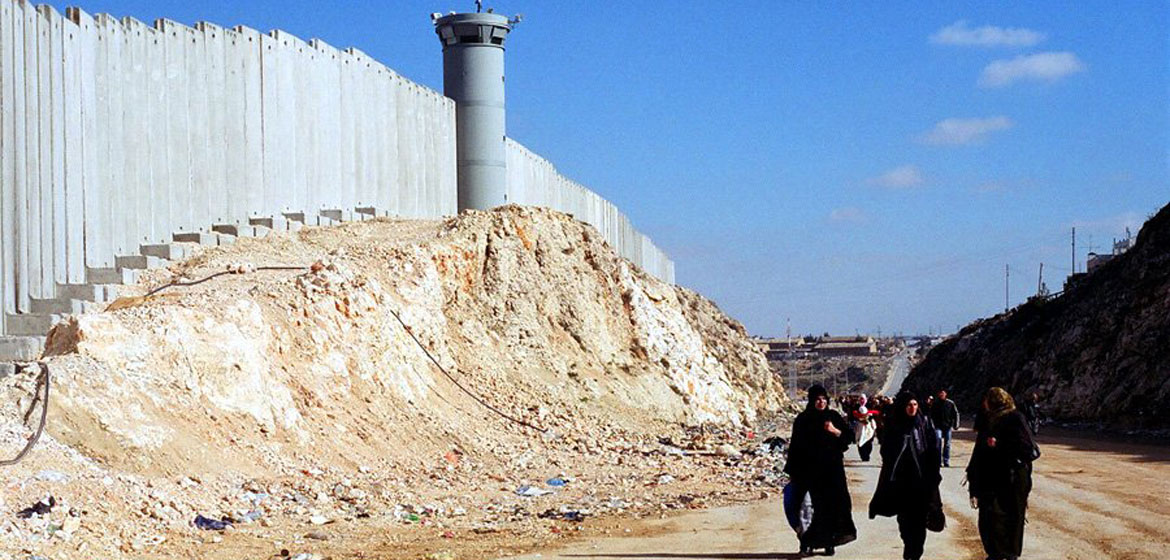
(820, 437)
(908, 483)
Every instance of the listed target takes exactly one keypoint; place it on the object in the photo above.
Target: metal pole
(1006, 275)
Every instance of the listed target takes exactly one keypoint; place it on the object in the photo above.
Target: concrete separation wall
(532, 180)
(116, 134)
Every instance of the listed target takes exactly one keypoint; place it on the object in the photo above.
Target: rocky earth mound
(1098, 353)
(392, 364)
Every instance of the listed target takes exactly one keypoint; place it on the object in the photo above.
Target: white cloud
(847, 215)
(957, 132)
(904, 177)
(961, 34)
(1042, 67)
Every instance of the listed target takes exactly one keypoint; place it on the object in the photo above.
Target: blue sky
(850, 167)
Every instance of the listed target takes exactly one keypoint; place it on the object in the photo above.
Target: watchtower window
(497, 40)
(469, 39)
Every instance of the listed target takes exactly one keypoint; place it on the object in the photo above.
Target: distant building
(864, 347)
(1120, 246)
(781, 348)
(1096, 260)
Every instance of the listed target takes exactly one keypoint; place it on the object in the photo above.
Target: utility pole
(1006, 276)
(791, 364)
(1040, 281)
(1074, 250)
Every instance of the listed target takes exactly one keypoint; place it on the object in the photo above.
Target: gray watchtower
(473, 76)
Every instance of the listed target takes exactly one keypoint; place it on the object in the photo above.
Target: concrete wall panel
(56, 215)
(39, 185)
(532, 180)
(8, 162)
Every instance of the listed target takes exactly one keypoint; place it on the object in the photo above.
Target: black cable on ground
(457, 383)
(217, 275)
(43, 396)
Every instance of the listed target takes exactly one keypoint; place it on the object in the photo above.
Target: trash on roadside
(566, 515)
(556, 482)
(208, 524)
(43, 507)
(49, 475)
(532, 491)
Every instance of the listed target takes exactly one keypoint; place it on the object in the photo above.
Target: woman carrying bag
(908, 482)
(816, 462)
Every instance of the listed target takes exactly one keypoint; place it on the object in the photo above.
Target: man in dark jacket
(945, 416)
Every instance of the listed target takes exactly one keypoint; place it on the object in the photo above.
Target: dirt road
(1093, 499)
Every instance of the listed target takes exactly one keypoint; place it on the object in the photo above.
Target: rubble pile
(492, 381)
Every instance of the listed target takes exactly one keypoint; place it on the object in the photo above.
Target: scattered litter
(208, 524)
(727, 450)
(52, 476)
(556, 482)
(532, 491)
(317, 536)
(774, 445)
(251, 516)
(43, 507)
(566, 515)
(665, 479)
(318, 520)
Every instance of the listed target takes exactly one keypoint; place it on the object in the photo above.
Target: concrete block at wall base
(139, 262)
(241, 230)
(199, 237)
(63, 306)
(337, 214)
(112, 275)
(30, 324)
(7, 369)
(169, 251)
(223, 239)
(276, 223)
(88, 292)
(294, 216)
(21, 348)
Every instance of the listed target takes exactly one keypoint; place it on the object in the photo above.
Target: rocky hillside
(1099, 352)
(558, 358)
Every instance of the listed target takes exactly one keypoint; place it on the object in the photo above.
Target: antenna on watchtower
(478, 6)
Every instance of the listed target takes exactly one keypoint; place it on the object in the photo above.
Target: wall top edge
(107, 22)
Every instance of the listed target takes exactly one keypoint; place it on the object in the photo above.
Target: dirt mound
(1096, 353)
(279, 382)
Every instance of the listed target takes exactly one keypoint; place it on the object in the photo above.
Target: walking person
(945, 416)
(999, 475)
(864, 428)
(816, 451)
(908, 483)
(1031, 411)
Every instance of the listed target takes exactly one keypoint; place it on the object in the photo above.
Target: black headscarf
(897, 419)
(814, 392)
